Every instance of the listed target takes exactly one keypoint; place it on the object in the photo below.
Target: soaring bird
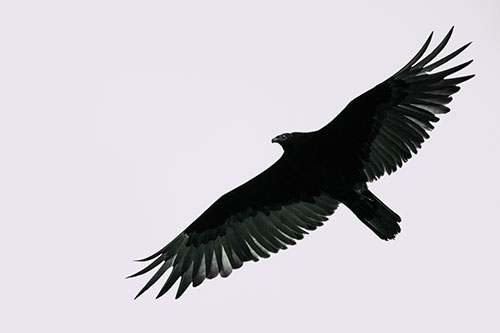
(375, 134)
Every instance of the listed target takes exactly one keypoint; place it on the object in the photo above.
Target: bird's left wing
(262, 216)
(381, 129)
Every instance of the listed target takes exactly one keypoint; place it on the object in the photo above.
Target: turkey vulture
(375, 134)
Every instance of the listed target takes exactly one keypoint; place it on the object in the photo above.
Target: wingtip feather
(148, 258)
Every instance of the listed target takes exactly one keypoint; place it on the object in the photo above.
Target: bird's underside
(375, 134)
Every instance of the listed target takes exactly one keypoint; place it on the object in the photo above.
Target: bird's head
(282, 139)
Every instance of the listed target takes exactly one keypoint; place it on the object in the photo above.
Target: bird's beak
(274, 140)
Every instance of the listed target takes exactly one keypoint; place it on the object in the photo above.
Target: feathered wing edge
(251, 236)
(418, 97)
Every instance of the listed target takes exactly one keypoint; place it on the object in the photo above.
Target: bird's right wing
(381, 129)
(262, 216)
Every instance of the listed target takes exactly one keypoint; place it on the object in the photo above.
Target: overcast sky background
(122, 121)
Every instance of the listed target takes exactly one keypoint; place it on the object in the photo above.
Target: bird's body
(375, 134)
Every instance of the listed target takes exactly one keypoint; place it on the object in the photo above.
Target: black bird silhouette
(375, 134)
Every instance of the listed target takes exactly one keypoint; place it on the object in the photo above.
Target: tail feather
(375, 215)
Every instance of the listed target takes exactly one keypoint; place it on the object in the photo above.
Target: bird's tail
(375, 215)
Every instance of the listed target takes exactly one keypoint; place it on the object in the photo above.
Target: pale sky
(122, 121)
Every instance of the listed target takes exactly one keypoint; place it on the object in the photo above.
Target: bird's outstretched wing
(381, 129)
(262, 216)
